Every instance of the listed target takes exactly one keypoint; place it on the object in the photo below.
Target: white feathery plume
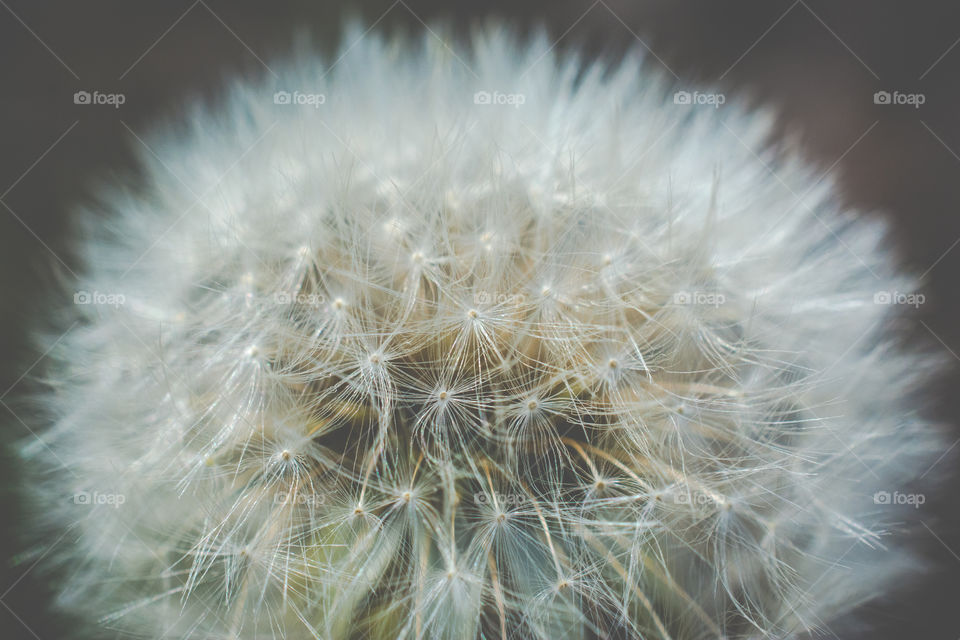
(437, 343)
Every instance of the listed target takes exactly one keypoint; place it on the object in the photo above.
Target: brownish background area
(817, 62)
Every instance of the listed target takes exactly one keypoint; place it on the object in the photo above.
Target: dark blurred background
(817, 63)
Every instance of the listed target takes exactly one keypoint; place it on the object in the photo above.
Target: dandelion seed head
(417, 363)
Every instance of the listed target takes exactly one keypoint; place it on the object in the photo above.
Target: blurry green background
(817, 63)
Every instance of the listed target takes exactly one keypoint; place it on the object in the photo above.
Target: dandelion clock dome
(435, 342)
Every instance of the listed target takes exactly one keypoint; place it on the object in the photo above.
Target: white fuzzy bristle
(478, 345)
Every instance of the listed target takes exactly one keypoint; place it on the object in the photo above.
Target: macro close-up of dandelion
(459, 335)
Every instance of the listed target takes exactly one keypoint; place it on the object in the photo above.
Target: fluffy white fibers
(451, 343)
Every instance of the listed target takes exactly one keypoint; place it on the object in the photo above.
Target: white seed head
(480, 344)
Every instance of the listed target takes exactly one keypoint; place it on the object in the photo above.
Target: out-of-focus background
(818, 64)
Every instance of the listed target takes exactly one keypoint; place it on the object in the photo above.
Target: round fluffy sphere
(435, 343)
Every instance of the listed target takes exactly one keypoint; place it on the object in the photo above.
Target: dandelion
(411, 362)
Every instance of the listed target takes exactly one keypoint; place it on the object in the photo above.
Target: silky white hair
(437, 341)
